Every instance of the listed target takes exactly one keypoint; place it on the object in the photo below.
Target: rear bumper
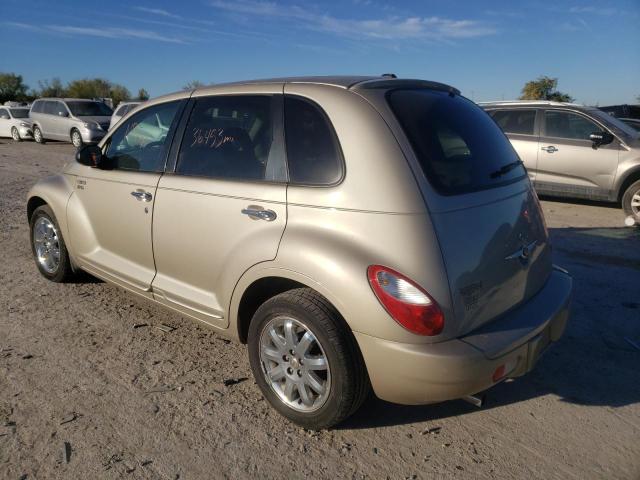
(415, 374)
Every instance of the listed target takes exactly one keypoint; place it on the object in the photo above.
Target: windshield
(618, 127)
(89, 109)
(19, 112)
(459, 147)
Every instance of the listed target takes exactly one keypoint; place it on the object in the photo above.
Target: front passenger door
(111, 211)
(568, 165)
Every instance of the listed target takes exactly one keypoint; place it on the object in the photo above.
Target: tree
(544, 88)
(53, 88)
(12, 87)
(193, 85)
(143, 95)
(119, 93)
(98, 88)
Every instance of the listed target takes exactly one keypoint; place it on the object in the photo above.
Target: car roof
(67, 99)
(531, 103)
(341, 81)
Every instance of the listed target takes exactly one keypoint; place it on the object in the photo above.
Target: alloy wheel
(46, 244)
(15, 134)
(635, 204)
(294, 364)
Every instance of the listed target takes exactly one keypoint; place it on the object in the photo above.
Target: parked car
(574, 151)
(353, 231)
(122, 109)
(69, 119)
(632, 122)
(15, 123)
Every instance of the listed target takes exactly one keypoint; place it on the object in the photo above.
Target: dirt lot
(85, 394)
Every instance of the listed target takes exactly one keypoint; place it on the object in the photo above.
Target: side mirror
(62, 113)
(90, 155)
(600, 138)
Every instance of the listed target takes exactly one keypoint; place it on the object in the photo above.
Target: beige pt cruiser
(354, 232)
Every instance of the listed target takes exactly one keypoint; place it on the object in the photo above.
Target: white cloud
(108, 32)
(389, 28)
(157, 11)
(595, 10)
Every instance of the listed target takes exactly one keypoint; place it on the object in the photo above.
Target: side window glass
(515, 121)
(50, 107)
(313, 155)
(4, 114)
(568, 125)
(140, 143)
(229, 137)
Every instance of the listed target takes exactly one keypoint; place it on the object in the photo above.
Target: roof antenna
(452, 92)
(390, 75)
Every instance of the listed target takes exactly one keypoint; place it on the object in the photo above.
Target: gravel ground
(86, 394)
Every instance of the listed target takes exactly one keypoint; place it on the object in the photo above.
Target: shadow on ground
(594, 364)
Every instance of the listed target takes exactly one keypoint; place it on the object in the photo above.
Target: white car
(15, 123)
(121, 111)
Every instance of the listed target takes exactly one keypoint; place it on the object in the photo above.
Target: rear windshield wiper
(505, 169)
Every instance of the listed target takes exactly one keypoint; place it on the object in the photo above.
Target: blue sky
(486, 49)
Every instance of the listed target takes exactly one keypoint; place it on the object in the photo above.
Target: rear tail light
(406, 302)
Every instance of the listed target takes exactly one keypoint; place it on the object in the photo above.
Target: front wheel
(15, 135)
(76, 138)
(631, 202)
(305, 360)
(37, 135)
(48, 247)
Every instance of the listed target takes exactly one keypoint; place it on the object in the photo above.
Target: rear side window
(459, 147)
(568, 125)
(515, 121)
(230, 137)
(313, 155)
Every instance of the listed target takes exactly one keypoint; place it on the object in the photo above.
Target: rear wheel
(15, 135)
(48, 247)
(305, 361)
(631, 201)
(76, 138)
(37, 135)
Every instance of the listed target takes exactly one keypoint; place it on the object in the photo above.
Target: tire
(345, 375)
(15, 135)
(631, 201)
(37, 135)
(76, 138)
(46, 239)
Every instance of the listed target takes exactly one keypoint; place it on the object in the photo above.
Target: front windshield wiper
(506, 168)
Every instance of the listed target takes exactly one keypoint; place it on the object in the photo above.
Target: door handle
(550, 149)
(256, 213)
(142, 196)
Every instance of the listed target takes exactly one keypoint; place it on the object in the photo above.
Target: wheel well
(32, 204)
(255, 295)
(632, 178)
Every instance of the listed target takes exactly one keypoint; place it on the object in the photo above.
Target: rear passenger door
(521, 127)
(221, 207)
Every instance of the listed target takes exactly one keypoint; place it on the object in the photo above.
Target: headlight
(25, 124)
(91, 126)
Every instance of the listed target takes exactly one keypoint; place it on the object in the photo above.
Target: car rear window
(459, 147)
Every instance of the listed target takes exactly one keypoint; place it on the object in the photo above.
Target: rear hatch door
(487, 217)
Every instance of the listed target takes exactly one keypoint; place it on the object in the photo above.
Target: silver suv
(70, 119)
(353, 231)
(574, 151)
